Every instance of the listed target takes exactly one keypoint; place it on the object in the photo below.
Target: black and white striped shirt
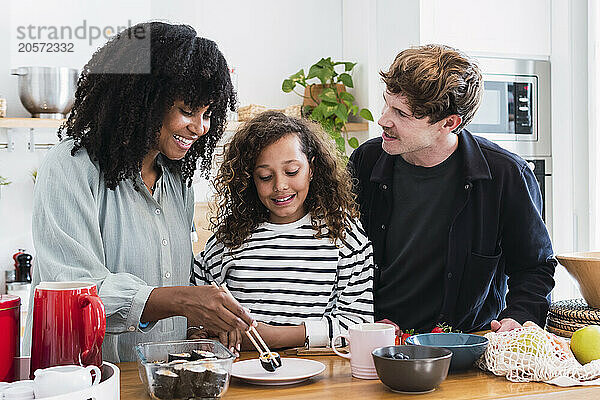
(285, 276)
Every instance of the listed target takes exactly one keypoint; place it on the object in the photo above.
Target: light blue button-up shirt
(126, 241)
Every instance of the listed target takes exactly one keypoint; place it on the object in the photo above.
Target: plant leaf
(328, 110)
(354, 109)
(346, 79)
(288, 85)
(325, 63)
(324, 75)
(297, 75)
(317, 113)
(353, 142)
(349, 66)
(342, 113)
(347, 96)
(314, 71)
(328, 94)
(366, 114)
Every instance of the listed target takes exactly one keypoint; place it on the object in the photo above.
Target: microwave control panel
(522, 104)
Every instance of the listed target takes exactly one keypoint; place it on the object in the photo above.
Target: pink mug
(364, 338)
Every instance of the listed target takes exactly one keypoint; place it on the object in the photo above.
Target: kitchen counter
(336, 382)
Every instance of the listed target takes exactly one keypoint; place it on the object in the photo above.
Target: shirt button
(131, 329)
(467, 186)
(383, 227)
(165, 242)
(449, 275)
(157, 211)
(167, 275)
(384, 187)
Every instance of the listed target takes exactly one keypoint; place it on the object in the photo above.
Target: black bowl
(425, 368)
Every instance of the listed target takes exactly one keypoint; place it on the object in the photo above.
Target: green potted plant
(328, 102)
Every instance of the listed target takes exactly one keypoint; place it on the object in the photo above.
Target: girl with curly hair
(287, 240)
(113, 202)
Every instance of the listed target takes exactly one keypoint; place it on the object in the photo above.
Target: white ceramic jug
(63, 379)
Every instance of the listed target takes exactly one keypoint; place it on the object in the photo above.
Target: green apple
(585, 344)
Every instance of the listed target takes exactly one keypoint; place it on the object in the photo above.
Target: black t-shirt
(411, 284)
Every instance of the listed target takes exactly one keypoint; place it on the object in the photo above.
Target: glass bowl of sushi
(185, 369)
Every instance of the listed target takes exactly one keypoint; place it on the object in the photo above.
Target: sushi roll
(203, 355)
(270, 361)
(165, 382)
(215, 380)
(191, 376)
(174, 364)
(180, 356)
(267, 362)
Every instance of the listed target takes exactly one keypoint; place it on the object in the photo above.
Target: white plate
(292, 370)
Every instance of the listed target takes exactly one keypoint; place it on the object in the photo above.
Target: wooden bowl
(585, 268)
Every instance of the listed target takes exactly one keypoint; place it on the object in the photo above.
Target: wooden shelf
(55, 123)
(357, 126)
(30, 123)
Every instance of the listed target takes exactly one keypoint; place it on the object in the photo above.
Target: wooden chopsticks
(252, 329)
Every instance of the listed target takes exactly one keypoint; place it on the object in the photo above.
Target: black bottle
(23, 266)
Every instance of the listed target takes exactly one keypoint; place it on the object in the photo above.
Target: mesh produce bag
(531, 354)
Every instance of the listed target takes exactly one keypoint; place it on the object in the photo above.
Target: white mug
(64, 379)
(364, 338)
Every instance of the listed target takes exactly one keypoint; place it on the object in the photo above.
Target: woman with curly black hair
(287, 240)
(113, 201)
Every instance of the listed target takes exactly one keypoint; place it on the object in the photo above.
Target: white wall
(594, 121)
(508, 27)
(570, 139)
(375, 31)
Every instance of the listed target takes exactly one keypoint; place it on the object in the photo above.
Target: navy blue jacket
(497, 236)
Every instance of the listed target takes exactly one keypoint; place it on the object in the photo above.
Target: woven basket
(575, 310)
(246, 113)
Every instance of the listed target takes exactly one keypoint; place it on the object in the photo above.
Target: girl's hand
(277, 337)
(232, 340)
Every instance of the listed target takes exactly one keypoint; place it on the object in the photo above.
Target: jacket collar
(475, 166)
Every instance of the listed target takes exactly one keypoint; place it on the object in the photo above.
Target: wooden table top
(336, 382)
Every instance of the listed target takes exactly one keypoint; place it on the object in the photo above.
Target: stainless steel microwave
(515, 109)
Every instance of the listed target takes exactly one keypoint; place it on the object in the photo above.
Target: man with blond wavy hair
(455, 220)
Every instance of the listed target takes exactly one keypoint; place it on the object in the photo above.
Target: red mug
(68, 325)
(9, 335)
